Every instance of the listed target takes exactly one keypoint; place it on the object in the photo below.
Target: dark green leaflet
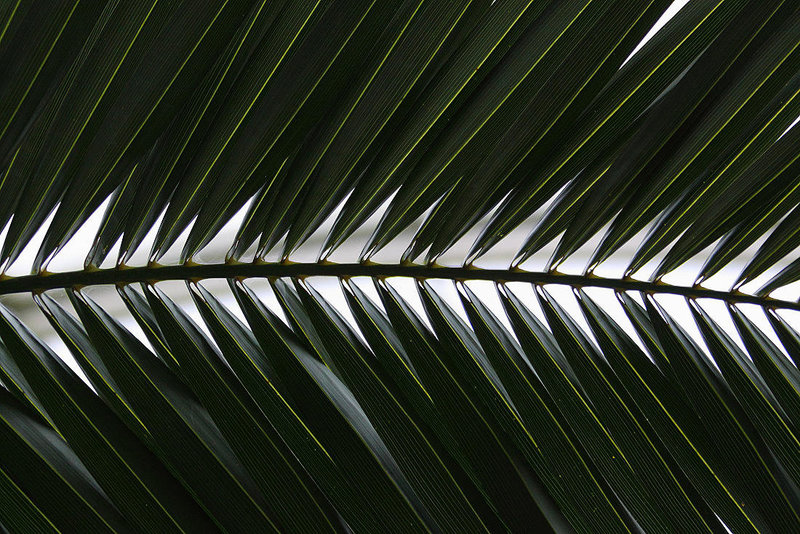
(267, 391)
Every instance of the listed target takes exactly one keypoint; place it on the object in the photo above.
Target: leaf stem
(157, 273)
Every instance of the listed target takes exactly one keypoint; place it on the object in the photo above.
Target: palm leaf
(463, 367)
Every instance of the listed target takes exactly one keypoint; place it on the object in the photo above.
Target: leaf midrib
(193, 271)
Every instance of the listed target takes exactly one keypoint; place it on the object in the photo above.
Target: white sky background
(71, 258)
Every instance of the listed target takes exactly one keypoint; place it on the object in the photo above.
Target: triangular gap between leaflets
(529, 226)
(331, 290)
(393, 251)
(670, 12)
(647, 271)
(687, 272)
(179, 294)
(756, 314)
(141, 256)
(525, 292)
(718, 311)
(637, 296)
(249, 254)
(792, 125)
(407, 288)
(72, 255)
(446, 289)
(221, 290)
(172, 255)
(457, 253)
(47, 335)
(273, 255)
(678, 309)
(788, 292)
(365, 284)
(756, 283)
(311, 249)
(565, 296)
(539, 259)
(614, 266)
(351, 247)
(110, 261)
(108, 299)
(29, 314)
(504, 251)
(3, 234)
(24, 262)
(792, 318)
(216, 250)
(578, 261)
(725, 278)
(487, 293)
(263, 290)
(606, 299)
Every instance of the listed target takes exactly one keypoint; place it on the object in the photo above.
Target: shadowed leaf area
(490, 375)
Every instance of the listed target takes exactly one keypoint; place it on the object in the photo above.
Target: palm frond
(403, 395)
